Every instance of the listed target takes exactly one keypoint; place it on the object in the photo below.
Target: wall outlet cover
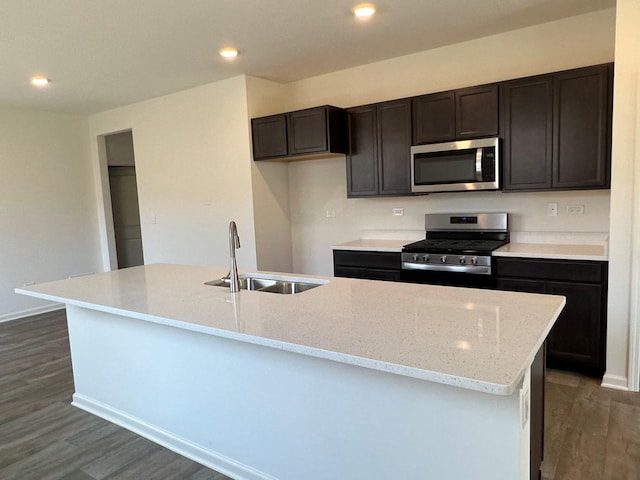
(398, 212)
(552, 209)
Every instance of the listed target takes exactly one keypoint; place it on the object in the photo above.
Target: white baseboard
(30, 312)
(616, 382)
(208, 458)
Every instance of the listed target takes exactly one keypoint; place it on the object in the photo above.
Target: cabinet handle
(479, 164)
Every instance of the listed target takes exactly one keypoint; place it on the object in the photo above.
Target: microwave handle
(479, 164)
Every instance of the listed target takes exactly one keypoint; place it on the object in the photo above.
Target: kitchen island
(353, 379)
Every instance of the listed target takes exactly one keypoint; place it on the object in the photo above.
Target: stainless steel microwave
(456, 166)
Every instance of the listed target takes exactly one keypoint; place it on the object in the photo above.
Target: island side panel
(254, 412)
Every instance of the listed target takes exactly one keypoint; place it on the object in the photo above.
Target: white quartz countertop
(373, 245)
(513, 249)
(552, 251)
(476, 339)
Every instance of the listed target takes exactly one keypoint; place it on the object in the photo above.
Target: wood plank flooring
(591, 433)
(43, 437)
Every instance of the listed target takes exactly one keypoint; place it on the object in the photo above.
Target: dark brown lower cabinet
(577, 341)
(367, 264)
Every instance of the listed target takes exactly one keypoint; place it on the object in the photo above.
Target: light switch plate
(552, 209)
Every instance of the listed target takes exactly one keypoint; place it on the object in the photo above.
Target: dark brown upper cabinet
(527, 113)
(456, 115)
(269, 136)
(362, 161)
(477, 112)
(581, 129)
(557, 130)
(380, 141)
(312, 132)
(434, 118)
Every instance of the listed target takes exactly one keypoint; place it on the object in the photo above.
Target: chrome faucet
(234, 242)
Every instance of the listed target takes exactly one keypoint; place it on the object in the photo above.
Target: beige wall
(193, 168)
(318, 186)
(48, 229)
(270, 181)
(572, 42)
(624, 264)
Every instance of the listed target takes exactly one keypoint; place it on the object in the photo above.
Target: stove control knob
(425, 258)
(443, 259)
(415, 257)
(462, 260)
(474, 261)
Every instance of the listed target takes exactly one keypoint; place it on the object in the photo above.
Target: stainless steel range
(457, 249)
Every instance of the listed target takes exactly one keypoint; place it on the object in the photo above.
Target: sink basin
(271, 283)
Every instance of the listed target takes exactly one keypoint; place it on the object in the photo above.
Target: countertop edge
(551, 256)
(368, 249)
(362, 245)
(379, 365)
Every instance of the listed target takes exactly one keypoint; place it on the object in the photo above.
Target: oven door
(451, 279)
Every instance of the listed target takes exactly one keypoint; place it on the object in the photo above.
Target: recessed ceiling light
(40, 81)
(364, 10)
(228, 52)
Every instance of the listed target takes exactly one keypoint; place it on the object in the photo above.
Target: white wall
(624, 257)
(270, 181)
(193, 166)
(321, 186)
(48, 229)
(568, 43)
(318, 186)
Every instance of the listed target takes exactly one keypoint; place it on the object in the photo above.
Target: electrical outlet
(398, 212)
(154, 219)
(552, 209)
(330, 214)
(575, 209)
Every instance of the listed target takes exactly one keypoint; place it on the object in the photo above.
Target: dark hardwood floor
(43, 437)
(591, 433)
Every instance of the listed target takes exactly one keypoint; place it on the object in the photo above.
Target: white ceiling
(101, 54)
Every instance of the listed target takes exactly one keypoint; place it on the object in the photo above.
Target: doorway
(124, 199)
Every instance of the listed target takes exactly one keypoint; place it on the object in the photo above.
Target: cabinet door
(576, 340)
(434, 118)
(307, 131)
(269, 135)
(477, 112)
(527, 116)
(394, 147)
(348, 272)
(520, 285)
(380, 274)
(362, 163)
(581, 112)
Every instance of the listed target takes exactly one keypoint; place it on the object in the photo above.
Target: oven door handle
(473, 269)
(479, 164)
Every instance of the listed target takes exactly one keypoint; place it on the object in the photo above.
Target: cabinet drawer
(367, 273)
(366, 259)
(569, 270)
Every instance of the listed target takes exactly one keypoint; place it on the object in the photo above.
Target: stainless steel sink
(270, 283)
